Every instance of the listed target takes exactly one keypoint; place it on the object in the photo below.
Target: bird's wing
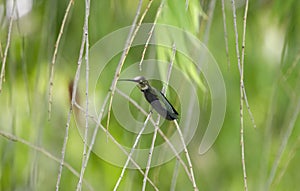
(168, 105)
(161, 104)
(156, 104)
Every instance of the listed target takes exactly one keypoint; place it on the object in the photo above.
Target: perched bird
(157, 100)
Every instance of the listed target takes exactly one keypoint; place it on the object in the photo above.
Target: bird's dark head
(141, 81)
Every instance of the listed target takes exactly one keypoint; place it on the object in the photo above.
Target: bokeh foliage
(271, 80)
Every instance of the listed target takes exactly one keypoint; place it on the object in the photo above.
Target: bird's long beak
(137, 79)
(128, 80)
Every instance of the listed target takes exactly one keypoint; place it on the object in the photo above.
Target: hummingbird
(157, 99)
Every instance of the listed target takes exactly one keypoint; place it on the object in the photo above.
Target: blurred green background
(271, 77)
